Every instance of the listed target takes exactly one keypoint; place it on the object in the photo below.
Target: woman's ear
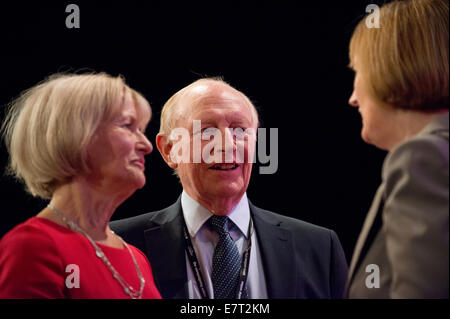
(164, 147)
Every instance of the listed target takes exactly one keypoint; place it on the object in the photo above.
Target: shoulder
(132, 229)
(424, 156)
(429, 147)
(132, 223)
(27, 236)
(299, 228)
(30, 263)
(34, 241)
(146, 220)
(311, 244)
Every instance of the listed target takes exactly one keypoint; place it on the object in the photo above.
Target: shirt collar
(196, 215)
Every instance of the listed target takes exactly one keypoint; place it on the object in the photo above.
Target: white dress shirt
(204, 241)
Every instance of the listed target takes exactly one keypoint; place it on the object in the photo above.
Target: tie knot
(219, 224)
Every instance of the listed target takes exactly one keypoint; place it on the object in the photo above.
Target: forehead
(135, 106)
(354, 61)
(216, 104)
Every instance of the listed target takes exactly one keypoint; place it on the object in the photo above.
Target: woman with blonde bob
(77, 140)
(401, 91)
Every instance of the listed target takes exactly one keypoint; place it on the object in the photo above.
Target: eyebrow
(232, 118)
(122, 117)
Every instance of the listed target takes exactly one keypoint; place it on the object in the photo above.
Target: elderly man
(213, 242)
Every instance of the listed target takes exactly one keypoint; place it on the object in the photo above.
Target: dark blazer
(300, 260)
(406, 230)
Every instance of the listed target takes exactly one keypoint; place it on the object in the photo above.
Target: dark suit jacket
(406, 230)
(300, 260)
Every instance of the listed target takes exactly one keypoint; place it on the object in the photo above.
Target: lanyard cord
(243, 274)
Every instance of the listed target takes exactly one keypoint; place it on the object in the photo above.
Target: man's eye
(209, 130)
(239, 131)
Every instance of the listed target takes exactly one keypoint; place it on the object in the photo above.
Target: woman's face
(116, 154)
(378, 122)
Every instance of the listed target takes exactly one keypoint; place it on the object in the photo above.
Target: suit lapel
(276, 248)
(368, 223)
(166, 249)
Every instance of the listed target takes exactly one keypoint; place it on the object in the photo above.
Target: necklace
(130, 291)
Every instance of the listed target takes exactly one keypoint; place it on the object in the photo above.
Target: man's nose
(229, 143)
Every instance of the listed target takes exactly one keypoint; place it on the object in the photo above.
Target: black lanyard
(196, 266)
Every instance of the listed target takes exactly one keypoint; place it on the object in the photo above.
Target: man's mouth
(224, 167)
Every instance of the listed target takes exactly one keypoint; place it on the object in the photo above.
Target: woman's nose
(353, 101)
(145, 145)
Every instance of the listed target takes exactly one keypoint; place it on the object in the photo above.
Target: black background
(289, 57)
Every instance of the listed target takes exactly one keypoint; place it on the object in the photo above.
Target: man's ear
(164, 147)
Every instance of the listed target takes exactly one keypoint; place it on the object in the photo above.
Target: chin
(228, 190)
(375, 142)
(366, 136)
(140, 183)
(137, 181)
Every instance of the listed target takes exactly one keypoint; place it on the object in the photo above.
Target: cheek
(246, 171)
(250, 150)
(122, 145)
(372, 117)
(100, 151)
(190, 174)
(374, 124)
(245, 150)
(127, 147)
(367, 123)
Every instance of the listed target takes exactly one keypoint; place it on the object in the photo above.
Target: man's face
(220, 109)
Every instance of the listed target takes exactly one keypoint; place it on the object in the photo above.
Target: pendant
(99, 253)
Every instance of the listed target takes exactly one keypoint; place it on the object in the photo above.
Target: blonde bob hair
(405, 62)
(172, 109)
(48, 128)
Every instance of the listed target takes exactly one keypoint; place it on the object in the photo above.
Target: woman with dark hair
(401, 91)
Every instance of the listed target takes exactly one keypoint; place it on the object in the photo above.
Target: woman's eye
(128, 125)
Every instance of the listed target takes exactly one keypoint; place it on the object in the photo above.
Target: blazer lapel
(166, 249)
(276, 248)
(368, 223)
